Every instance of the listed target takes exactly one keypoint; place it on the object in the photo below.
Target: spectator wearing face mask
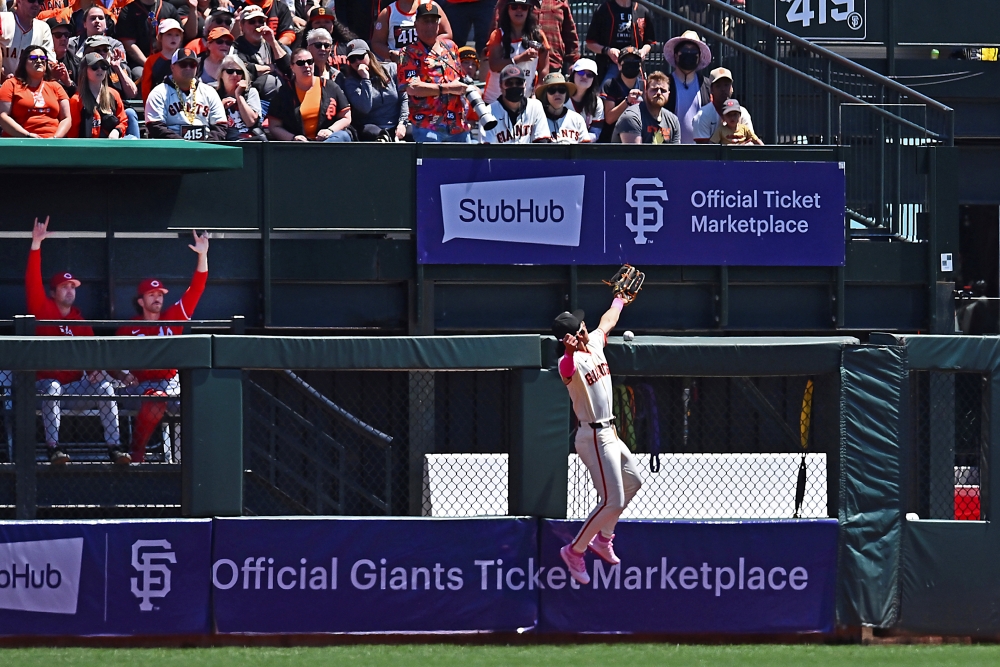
(618, 24)
(520, 119)
(586, 100)
(615, 92)
(689, 90)
(565, 125)
(709, 118)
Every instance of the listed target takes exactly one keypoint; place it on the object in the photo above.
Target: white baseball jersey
(590, 386)
(165, 106)
(528, 127)
(402, 30)
(570, 129)
(14, 38)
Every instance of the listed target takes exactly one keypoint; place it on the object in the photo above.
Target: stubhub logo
(547, 211)
(41, 576)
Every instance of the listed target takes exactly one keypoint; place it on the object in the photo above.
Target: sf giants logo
(150, 557)
(648, 211)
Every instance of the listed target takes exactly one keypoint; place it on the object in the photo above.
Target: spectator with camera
(267, 59)
(520, 119)
(240, 100)
(616, 25)
(32, 105)
(709, 118)
(648, 121)
(618, 94)
(555, 20)
(380, 110)
(169, 37)
(310, 109)
(396, 27)
(432, 74)
(184, 108)
(586, 99)
(96, 109)
(689, 90)
(516, 41)
(565, 125)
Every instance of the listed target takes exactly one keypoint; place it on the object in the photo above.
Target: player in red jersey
(57, 304)
(164, 383)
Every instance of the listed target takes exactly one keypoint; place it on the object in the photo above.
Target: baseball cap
(730, 106)
(428, 9)
(584, 65)
(151, 285)
(357, 47)
(718, 74)
(511, 72)
(468, 53)
(629, 52)
(56, 23)
(169, 24)
(97, 41)
(253, 11)
(93, 58)
(567, 323)
(183, 54)
(63, 277)
(218, 33)
(321, 13)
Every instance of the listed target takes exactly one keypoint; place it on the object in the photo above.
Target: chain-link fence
(951, 419)
(102, 446)
(376, 442)
(723, 447)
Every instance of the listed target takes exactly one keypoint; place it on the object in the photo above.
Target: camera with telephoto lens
(488, 120)
(531, 44)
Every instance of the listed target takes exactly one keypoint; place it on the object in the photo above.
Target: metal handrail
(743, 15)
(947, 138)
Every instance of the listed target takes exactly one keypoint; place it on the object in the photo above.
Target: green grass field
(442, 655)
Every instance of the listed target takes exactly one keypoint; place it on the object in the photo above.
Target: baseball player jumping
(160, 383)
(613, 468)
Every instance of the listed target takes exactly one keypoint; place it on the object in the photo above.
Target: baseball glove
(626, 283)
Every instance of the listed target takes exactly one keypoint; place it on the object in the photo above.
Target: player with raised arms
(613, 468)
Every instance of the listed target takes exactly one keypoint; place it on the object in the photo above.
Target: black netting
(376, 443)
(81, 433)
(951, 437)
(723, 447)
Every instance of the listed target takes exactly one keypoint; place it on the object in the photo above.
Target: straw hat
(554, 79)
(688, 36)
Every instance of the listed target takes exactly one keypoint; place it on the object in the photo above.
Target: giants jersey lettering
(529, 126)
(590, 386)
(14, 39)
(402, 30)
(569, 129)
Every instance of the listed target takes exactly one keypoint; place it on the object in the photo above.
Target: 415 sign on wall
(823, 19)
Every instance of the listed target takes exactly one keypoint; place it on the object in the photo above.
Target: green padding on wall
(874, 391)
(97, 353)
(377, 353)
(707, 356)
(106, 154)
(966, 353)
(539, 463)
(950, 578)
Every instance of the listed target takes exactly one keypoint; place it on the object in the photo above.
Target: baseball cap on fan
(428, 9)
(169, 24)
(63, 277)
(151, 285)
(511, 72)
(567, 323)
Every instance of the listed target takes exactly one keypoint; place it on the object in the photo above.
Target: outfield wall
(343, 575)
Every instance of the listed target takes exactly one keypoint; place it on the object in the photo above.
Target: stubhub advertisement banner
(698, 577)
(287, 575)
(651, 212)
(105, 578)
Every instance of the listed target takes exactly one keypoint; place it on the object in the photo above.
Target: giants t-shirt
(570, 128)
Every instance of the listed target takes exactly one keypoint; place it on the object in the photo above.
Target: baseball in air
(628, 336)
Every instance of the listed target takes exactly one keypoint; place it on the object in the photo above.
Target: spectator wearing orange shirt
(21, 115)
(169, 36)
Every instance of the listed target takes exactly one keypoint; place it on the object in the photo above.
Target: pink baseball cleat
(576, 565)
(602, 546)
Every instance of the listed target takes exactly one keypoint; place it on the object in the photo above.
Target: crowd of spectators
(359, 70)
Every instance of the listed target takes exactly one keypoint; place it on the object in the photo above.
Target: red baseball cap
(63, 277)
(151, 285)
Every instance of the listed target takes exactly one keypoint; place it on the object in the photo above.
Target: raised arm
(609, 320)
